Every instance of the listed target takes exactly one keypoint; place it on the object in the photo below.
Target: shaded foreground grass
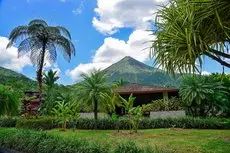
(176, 140)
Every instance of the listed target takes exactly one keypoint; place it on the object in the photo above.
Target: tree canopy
(188, 30)
(41, 42)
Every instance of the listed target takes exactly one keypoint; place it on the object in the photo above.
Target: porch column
(165, 96)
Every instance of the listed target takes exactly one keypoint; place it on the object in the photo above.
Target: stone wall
(91, 115)
(167, 114)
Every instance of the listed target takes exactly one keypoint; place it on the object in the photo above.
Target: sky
(103, 32)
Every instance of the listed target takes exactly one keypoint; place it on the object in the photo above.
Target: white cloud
(79, 9)
(113, 50)
(114, 14)
(9, 58)
(85, 68)
(205, 73)
(58, 71)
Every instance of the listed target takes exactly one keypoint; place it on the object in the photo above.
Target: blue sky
(103, 32)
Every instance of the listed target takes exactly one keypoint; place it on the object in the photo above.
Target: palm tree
(41, 42)
(92, 90)
(188, 30)
(198, 92)
(50, 78)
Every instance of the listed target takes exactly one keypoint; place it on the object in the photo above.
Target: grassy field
(176, 140)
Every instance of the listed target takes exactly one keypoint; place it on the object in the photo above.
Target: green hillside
(16, 81)
(133, 71)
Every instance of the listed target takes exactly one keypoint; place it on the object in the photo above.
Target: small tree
(50, 78)
(136, 115)
(92, 89)
(65, 112)
(51, 90)
(128, 104)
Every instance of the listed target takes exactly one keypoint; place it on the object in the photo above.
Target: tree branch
(220, 53)
(217, 59)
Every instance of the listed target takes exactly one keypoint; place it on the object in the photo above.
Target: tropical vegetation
(189, 30)
(92, 90)
(8, 101)
(186, 31)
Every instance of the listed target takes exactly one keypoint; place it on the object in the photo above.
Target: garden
(56, 125)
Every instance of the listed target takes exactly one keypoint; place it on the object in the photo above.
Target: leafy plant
(171, 104)
(65, 112)
(136, 115)
(9, 101)
(200, 93)
(187, 30)
(128, 104)
(50, 78)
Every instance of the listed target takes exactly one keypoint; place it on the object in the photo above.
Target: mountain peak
(128, 58)
(134, 71)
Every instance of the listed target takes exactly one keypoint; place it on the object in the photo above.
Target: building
(31, 103)
(145, 93)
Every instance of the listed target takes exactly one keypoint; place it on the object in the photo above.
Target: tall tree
(41, 42)
(188, 30)
(92, 90)
(50, 78)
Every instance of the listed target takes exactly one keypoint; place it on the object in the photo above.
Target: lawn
(176, 140)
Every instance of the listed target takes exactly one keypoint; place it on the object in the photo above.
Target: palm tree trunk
(95, 109)
(39, 71)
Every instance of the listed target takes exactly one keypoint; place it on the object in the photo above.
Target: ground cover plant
(27, 141)
(172, 140)
(46, 123)
(175, 140)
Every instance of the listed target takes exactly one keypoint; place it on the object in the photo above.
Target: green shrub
(131, 147)
(187, 122)
(37, 124)
(122, 123)
(8, 121)
(40, 142)
(172, 104)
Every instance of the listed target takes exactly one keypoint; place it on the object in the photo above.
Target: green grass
(177, 140)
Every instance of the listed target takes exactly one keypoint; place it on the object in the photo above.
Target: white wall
(167, 114)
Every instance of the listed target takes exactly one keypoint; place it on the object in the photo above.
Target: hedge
(8, 121)
(107, 124)
(37, 123)
(27, 141)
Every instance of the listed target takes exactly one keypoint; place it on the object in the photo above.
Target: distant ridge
(133, 71)
(16, 81)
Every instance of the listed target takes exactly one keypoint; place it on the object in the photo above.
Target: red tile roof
(137, 88)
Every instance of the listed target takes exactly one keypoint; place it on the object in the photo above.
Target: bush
(40, 142)
(37, 124)
(122, 123)
(8, 121)
(188, 123)
(172, 104)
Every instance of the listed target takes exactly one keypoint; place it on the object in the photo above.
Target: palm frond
(38, 21)
(51, 53)
(64, 32)
(186, 30)
(64, 45)
(17, 33)
(27, 45)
